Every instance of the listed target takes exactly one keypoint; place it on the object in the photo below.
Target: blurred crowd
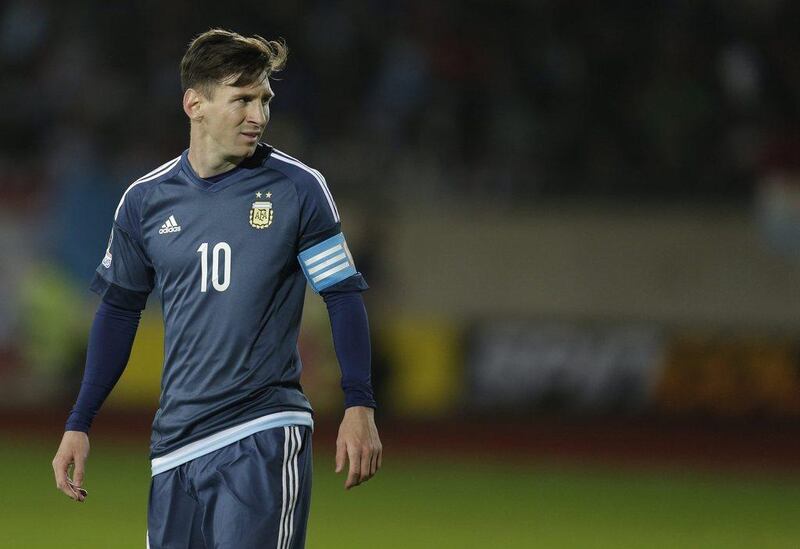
(530, 99)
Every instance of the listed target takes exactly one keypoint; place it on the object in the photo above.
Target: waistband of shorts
(227, 436)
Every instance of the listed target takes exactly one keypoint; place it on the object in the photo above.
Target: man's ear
(193, 102)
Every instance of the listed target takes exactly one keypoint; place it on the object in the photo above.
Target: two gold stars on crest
(268, 195)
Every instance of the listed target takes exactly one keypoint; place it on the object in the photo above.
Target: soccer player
(228, 233)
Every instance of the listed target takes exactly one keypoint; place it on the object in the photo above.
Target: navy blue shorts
(252, 493)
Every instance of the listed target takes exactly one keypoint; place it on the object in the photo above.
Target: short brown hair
(218, 55)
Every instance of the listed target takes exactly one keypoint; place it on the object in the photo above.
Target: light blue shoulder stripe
(283, 157)
(228, 436)
(161, 170)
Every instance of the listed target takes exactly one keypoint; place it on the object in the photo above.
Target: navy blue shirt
(223, 257)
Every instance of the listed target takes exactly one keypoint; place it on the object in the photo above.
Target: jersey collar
(240, 172)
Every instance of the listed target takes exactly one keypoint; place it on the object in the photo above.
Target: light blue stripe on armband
(327, 263)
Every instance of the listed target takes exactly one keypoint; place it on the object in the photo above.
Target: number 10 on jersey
(221, 249)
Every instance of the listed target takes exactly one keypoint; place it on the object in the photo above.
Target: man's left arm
(358, 440)
(331, 272)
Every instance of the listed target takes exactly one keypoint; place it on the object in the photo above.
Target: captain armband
(327, 263)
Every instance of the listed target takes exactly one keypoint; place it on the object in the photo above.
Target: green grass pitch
(427, 503)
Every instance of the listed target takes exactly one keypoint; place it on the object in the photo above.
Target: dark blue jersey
(228, 260)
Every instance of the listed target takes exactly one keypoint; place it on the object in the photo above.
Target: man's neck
(204, 163)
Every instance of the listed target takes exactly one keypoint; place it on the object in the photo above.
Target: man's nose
(258, 115)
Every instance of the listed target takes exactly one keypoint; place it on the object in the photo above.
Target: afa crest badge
(261, 214)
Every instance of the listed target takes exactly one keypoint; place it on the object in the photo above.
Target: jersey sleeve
(323, 252)
(125, 276)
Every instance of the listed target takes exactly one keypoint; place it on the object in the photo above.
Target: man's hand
(359, 442)
(74, 449)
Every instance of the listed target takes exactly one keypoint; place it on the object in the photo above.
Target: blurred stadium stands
(561, 207)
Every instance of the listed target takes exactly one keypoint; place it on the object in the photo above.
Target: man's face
(235, 117)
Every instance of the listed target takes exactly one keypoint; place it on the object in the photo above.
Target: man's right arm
(110, 343)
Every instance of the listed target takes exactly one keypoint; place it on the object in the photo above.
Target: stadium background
(580, 224)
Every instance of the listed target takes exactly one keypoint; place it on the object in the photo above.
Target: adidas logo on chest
(170, 226)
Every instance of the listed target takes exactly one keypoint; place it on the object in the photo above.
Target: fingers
(60, 471)
(60, 466)
(374, 462)
(359, 443)
(73, 450)
(353, 476)
(77, 476)
(365, 460)
(366, 465)
(341, 454)
(376, 456)
(80, 492)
